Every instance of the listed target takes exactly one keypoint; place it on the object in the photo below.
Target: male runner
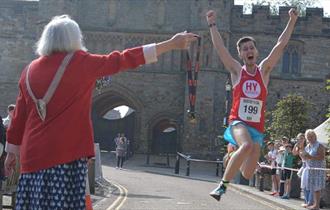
(249, 98)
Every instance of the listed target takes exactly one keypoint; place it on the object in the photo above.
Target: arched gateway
(164, 134)
(105, 130)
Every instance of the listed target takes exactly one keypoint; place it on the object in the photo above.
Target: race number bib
(250, 109)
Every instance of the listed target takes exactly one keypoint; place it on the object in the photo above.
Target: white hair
(311, 132)
(61, 34)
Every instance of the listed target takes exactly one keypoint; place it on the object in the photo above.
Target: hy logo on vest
(251, 88)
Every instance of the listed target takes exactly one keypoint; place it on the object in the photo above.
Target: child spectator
(287, 173)
(271, 157)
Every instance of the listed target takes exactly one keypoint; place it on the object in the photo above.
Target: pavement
(198, 171)
(105, 192)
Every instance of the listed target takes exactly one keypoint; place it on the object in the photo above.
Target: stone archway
(106, 130)
(164, 134)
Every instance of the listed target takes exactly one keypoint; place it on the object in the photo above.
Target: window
(291, 62)
(286, 62)
(295, 63)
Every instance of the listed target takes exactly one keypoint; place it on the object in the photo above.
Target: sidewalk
(205, 172)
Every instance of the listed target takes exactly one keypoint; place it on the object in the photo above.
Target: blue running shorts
(256, 136)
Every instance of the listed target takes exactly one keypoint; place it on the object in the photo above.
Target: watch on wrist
(212, 24)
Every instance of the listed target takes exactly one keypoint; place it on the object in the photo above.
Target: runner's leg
(249, 166)
(246, 146)
(243, 139)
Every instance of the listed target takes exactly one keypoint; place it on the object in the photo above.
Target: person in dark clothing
(121, 148)
(2, 146)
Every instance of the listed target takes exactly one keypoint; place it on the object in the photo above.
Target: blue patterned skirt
(59, 188)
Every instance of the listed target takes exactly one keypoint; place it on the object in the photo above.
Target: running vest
(249, 100)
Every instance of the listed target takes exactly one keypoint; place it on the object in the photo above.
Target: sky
(322, 3)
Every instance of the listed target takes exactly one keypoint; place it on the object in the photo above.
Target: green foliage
(274, 4)
(289, 117)
(268, 121)
(299, 4)
(222, 145)
(328, 88)
(328, 115)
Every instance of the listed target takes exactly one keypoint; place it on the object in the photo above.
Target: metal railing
(219, 164)
(167, 155)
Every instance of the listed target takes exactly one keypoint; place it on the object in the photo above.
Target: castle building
(158, 93)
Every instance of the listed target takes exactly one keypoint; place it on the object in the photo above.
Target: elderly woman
(298, 149)
(314, 156)
(51, 129)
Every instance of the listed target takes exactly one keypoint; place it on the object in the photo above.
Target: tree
(301, 5)
(328, 115)
(289, 117)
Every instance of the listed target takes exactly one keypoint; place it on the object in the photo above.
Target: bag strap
(52, 87)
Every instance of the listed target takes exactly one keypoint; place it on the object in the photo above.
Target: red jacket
(66, 134)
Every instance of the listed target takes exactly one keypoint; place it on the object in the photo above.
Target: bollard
(188, 168)
(1, 194)
(97, 162)
(167, 160)
(261, 184)
(217, 170)
(148, 159)
(222, 169)
(91, 175)
(252, 180)
(177, 164)
(282, 186)
(282, 183)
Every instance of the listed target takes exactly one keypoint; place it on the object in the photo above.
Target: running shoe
(218, 192)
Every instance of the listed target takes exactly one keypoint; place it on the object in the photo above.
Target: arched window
(286, 62)
(295, 63)
(291, 61)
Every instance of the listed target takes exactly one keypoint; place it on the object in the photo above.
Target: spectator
(279, 160)
(51, 130)
(2, 145)
(271, 157)
(10, 111)
(116, 139)
(129, 149)
(2, 136)
(314, 154)
(303, 172)
(287, 173)
(121, 149)
(284, 141)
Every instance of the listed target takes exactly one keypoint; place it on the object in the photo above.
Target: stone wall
(160, 89)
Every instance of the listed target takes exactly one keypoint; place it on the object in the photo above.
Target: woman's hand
(179, 41)
(305, 155)
(10, 163)
(183, 40)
